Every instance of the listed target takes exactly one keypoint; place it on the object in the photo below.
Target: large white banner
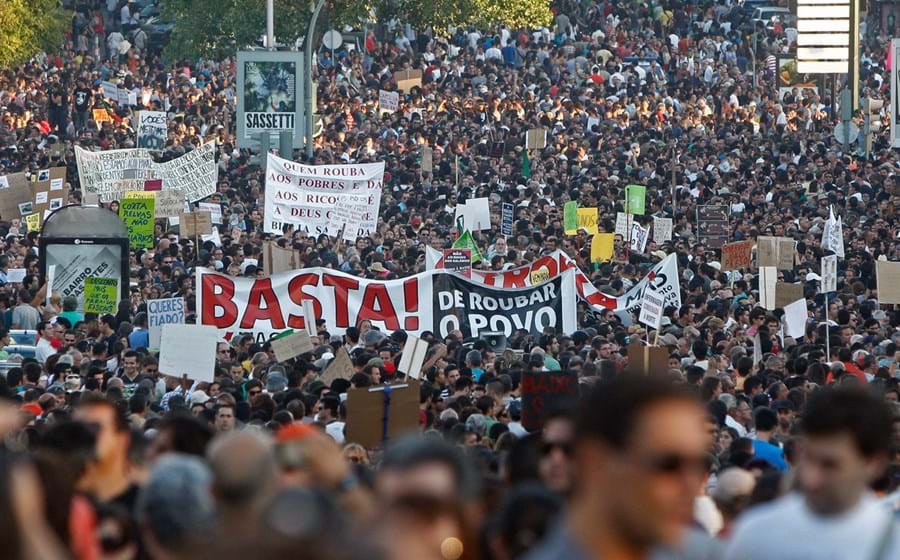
(662, 277)
(112, 173)
(152, 130)
(436, 301)
(323, 198)
(895, 93)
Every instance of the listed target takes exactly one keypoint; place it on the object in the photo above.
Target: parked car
(26, 337)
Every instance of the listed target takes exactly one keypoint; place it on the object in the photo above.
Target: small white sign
(189, 350)
(652, 307)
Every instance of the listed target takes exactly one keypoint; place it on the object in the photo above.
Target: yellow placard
(602, 246)
(587, 220)
(33, 222)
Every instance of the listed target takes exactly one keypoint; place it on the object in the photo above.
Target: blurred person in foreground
(847, 440)
(640, 458)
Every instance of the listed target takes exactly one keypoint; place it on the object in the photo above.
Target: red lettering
(516, 278)
(411, 298)
(342, 285)
(221, 299)
(262, 293)
(377, 306)
(296, 295)
(547, 261)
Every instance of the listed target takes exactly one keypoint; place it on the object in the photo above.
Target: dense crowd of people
(749, 445)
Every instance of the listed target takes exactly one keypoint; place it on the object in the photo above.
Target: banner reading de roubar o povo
(112, 173)
(321, 199)
(437, 301)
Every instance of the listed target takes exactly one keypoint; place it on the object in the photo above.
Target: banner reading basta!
(437, 301)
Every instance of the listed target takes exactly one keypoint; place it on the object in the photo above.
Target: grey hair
(729, 400)
(176, 504)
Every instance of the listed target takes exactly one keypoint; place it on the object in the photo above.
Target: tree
(218, 28)
(29, 27)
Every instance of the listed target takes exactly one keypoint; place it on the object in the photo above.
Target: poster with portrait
(269, 95)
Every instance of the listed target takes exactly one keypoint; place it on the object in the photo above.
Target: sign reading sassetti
(269, 95)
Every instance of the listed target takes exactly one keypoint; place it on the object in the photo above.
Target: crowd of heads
(104, 455)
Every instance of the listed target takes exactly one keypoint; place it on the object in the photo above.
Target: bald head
(243, 466)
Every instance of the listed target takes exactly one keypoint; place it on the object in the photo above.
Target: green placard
(101, 295)
(635, 195)
(137, 210)
(466, 241)
(570, 218)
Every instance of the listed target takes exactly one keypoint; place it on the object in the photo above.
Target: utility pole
(308, 90)
(853, 66)
(270, 24)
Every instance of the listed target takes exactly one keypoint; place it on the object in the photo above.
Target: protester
(776, 440)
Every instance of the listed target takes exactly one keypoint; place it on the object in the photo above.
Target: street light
(308, 92)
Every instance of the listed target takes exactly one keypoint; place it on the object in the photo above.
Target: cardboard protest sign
(279, 259)
(622, 224)
(795, 316)
(768, 277)
(662, 229)
(829, 274)
(15, 275)
(476, 214)
(193, 224)
(536, 139)
(712, 225)
(647, 360)
(635, 199)
(413, 357)
(153, 185)
(322, 198)
(101, 116)
(506, 218)
(458, 260)
(33, 222)
(887, 277)
(543, 392)
(152, 130)
(169, 204)
(137, 211)
(309, 317)
(427, 163)
(112, 173)
(639, 237)
(215, 211)
(408, 79)
(388, 101)
(341, 367)
(570, 217)
(291, 345)
(602, 246)
(14, 196)
(737, 255)
(168, 311)
(775, 251)
(466, 241)
(101, 295)
(49, 186)
(188, 350)
(587, 220)
(377, 415)
(787, 293)
(652, 307)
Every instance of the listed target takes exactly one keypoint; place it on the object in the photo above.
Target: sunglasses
(673, 463)
(548, 447)
(255, 392)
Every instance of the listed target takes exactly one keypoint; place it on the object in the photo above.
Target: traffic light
(872, 111)
(873, 114)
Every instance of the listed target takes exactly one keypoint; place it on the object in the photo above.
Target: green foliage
(218, 28)
(28, 27)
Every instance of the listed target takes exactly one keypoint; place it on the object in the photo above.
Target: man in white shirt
(833, 516)
(44, 349)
